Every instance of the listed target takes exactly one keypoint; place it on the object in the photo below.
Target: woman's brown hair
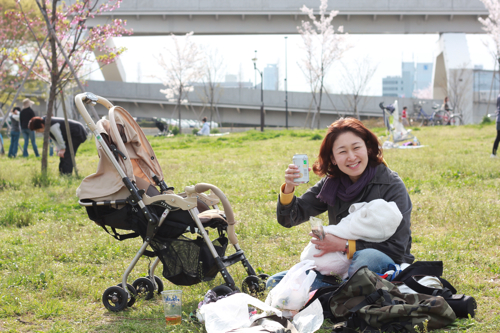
(324, 166)
(35, 123)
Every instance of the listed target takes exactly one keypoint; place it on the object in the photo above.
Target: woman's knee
(272, 281)
(375, 260)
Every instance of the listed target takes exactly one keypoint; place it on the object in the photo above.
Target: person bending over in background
(60, 138)
(351, 161)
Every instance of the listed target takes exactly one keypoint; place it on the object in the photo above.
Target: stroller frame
(124, 294)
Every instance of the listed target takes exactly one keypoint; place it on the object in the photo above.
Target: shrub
(316, 137)
(195, 130)
(174, 130)
(214, 131)
(486, 120)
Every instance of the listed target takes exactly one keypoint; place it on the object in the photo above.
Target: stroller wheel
(159, 285)
(114, 299)
(133, 294)
(263, 276)
(144, 288)
(253, 285)
(222, 290)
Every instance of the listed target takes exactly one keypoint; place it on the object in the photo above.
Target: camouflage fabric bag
(370, 303)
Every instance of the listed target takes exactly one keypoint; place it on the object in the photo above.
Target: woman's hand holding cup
(330, 243)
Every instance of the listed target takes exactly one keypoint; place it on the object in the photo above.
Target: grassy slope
(55, 263)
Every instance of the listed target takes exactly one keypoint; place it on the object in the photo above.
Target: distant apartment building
(423, 75)
(271, 77)
(413, 77)
(392, 86)
(408, 76)
(486, 80)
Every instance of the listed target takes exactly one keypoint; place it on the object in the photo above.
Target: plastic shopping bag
(292, 292)
(310, 319)
(231, 312)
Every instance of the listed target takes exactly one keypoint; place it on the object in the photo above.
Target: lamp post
(286, 90)
(262, 121)
(255, 73)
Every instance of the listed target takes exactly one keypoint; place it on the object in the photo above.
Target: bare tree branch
(355, 81)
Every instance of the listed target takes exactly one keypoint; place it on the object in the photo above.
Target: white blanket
(375, 221)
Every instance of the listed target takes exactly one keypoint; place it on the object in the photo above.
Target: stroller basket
(186, 261)
(128, 218)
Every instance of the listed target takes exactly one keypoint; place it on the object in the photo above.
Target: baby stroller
(396, 131)
(128, 192)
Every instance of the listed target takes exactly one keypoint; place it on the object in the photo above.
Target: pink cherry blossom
(322, 46)
(491, 24)
(77, 41)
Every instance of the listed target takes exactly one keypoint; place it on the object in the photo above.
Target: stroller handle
(228, 210)
(90, 98)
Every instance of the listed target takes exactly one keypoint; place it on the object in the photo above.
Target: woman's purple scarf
(343, 188)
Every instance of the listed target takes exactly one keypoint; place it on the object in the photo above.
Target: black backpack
(462, 305)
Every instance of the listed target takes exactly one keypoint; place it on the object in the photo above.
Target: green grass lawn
(55, 263)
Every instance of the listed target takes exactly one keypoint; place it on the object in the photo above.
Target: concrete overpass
(213, 17)
(237, 107)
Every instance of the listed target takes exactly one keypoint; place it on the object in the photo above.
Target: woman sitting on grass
(351, 161)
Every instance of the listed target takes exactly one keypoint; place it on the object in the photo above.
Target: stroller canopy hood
(122, 131)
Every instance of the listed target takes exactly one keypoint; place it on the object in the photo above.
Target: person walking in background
(497, 139)
(60, 138)
(15, 131)
(26, 114)
(205, 129)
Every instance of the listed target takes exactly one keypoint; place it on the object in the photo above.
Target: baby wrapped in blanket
(374, 221)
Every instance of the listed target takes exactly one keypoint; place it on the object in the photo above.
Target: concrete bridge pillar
(113, 71)
(453, 74)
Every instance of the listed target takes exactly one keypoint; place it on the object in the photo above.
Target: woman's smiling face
(350, 155)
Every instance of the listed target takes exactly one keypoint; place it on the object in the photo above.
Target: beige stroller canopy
(140, 163)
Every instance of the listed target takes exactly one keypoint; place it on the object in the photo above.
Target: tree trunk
(211, 116)
(320, 94)
(356, 113)
(46, 132)
(50, 105)
(179, 107)
(319, 104)
(68, 133)
(211, 106)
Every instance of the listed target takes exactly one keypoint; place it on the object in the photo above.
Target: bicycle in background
(423, 118)
(447, 117)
